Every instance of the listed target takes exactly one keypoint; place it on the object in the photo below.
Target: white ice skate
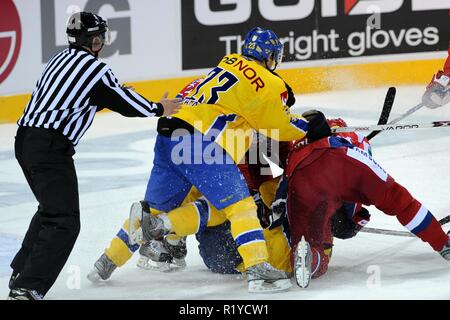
(135, 218)
(302, 263)
(445, 252)
(263, 278)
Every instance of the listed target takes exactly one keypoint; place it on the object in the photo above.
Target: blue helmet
(262, 44)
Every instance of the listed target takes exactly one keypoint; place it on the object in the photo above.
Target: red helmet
(336, 123)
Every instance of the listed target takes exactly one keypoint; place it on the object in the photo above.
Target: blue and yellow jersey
(237, 96)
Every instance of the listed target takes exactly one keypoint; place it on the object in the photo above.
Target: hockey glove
(437, 93)
(344, 227)
(261, 209)
(278, 213)
(318, 127)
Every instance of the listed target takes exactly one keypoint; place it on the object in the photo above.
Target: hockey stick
(384, 117)
(403, 116)
(386, 111)
(399, 233)
(388, 232)
(390, 127)
(407, 113)
(444, 220)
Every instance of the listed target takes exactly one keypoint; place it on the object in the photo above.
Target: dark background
(202, 48)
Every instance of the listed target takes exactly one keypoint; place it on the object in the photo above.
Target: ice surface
(113, 164)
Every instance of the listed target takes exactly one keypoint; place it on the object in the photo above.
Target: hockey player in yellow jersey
(196, 216)
(239, 95)
(202, 144)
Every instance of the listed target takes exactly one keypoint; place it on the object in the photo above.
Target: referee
(72, 88)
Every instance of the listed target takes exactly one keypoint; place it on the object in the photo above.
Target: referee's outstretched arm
(109, 93)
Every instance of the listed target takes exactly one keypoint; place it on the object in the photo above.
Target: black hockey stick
(386, 111)
(444, 220)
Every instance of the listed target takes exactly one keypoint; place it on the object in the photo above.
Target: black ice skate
(12, 280)
(24, 294)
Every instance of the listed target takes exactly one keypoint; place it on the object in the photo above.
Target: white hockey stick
(390, 127)
(388, 232)
(406, 114)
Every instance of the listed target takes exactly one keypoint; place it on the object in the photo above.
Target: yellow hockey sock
(247, 231)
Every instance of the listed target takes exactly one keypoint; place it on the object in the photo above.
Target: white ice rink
(113, 164)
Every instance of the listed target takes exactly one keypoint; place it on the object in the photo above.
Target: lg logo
(242, 9)
(120, 27)
(10, 38)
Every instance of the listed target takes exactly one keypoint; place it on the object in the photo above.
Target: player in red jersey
(328, 171)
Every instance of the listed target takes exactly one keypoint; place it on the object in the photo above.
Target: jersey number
(225, 80)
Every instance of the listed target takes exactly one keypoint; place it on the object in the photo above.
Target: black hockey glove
(278, 209)
(344, 227)
(278, 213)
(261, 209)
(318, 127)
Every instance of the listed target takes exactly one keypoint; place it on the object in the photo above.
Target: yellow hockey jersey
(237, 96)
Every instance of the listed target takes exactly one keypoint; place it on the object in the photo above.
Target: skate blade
(263, 286)
(160, 266)
(135, 231)
(136, 237)
(302, 265)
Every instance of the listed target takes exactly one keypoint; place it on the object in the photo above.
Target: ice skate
(103, 268)
(303, 263)
(154, 255)
(445, 252)
(154, 227)
(24, 294)
(137, 211)
(176, 246)
(264, 278)
(12, 280)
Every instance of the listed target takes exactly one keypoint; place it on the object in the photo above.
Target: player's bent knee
(244, 205)
(218, 249)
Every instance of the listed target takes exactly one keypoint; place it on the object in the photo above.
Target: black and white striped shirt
(72, 88)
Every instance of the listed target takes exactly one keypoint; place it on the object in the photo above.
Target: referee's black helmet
(82, 27)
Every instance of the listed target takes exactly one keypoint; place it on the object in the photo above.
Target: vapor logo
(10, 38)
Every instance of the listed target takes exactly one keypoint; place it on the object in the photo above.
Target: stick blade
(386, 111)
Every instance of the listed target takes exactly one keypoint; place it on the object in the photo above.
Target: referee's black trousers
(45, 157)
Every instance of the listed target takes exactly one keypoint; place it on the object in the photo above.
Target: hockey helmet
(262, 44)
(82, 27)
